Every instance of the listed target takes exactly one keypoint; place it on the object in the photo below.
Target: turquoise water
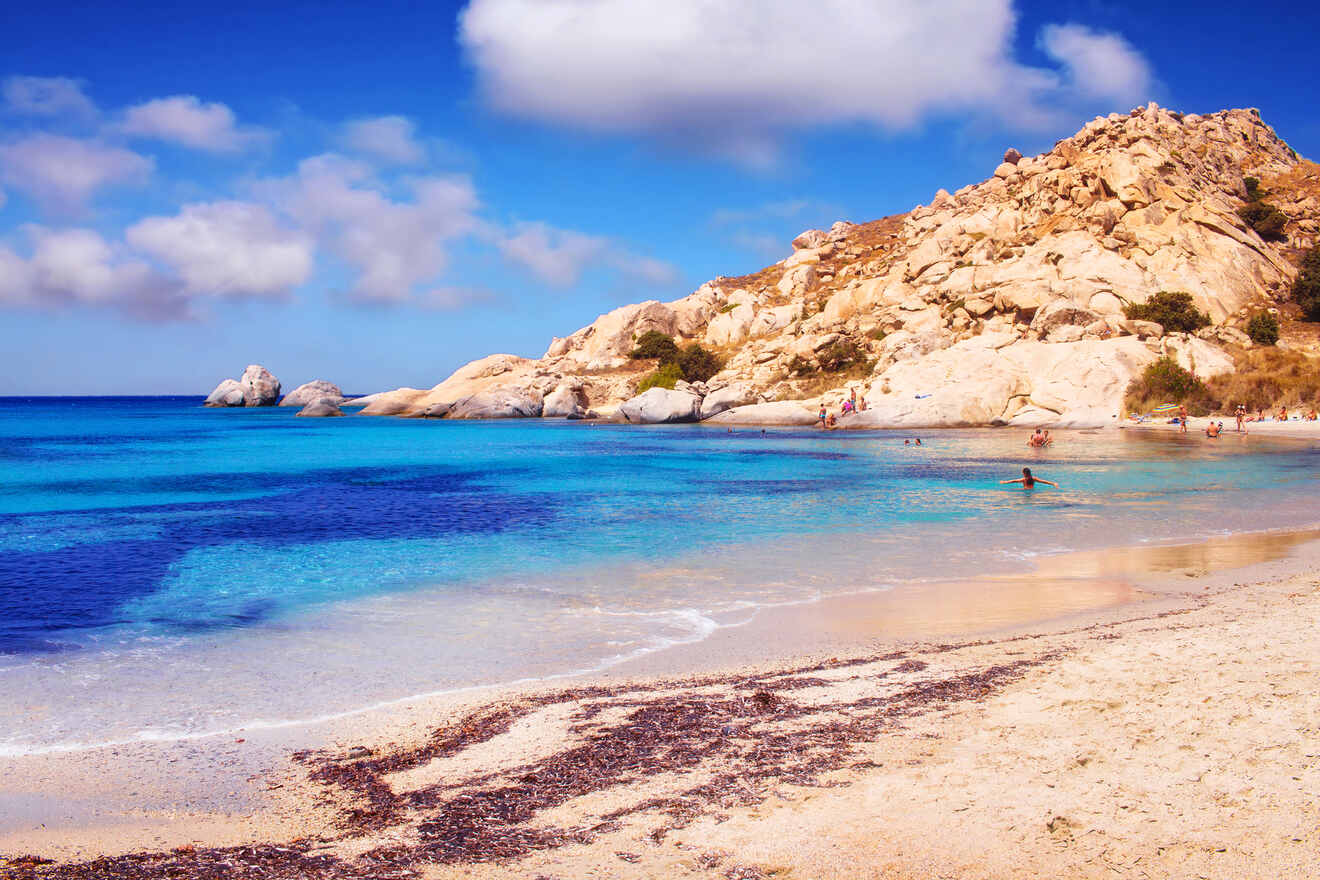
(172, 571)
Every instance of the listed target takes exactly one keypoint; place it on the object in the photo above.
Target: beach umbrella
(1165, 408)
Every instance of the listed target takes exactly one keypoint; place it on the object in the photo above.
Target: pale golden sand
(1178, 736)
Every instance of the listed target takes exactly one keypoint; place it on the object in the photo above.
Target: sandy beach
(1145, 713)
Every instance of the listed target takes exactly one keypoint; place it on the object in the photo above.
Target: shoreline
(282, 804)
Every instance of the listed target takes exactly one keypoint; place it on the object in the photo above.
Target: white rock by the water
(498, 403)
(728, 397)
(325, 406)
(661, 405)
(227, 393)
(308, 392)
(568, 400)
(389, 403)
(260, 388)
(780, 412)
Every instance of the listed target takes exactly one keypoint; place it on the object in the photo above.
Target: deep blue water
(140, 533)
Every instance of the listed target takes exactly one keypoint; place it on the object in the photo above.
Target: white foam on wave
(700, 627)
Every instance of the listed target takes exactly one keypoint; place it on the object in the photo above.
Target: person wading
(1028, 481)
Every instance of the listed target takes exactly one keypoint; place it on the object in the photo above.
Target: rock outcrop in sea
(1000, 303)
(308, 392)
(256, 387)
(321, 408)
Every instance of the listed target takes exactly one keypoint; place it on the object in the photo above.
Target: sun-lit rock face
(1025, 275)
(256, 387)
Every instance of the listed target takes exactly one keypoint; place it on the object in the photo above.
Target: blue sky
(376, 193)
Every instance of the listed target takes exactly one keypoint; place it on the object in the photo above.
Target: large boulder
(732, 326)
(389, 403)
(812, 238)
(322, 408)
(661, 405)
(777, 413)
(1062, 313)
(728, 397)
(568, 400)
(309, 392)
(227, 393)
(797, 281)
(498, 403)
(256, 387)
(260, 388)
(983, 381)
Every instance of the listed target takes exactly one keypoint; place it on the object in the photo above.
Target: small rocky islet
(1003, 303)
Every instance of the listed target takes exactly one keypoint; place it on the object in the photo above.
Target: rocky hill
(1001, 303)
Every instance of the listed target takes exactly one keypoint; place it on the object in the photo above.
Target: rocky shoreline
(1004, 303)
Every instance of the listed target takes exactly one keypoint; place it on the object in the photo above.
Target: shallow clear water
(168, 570)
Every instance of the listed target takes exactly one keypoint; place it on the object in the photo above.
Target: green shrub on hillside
(654, 344)
(1172, 310)
(1254, 193)
(800, 366)
(666, 376)
(1263, 328)
(697, 364)
(1306, 289)
(840, 356)
(692, 362)
(1267, 220)
(1166, 382)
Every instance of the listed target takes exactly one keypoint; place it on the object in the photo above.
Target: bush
(666, 376)
(692, 362)
(1306, 289)
(1166, 382)
(1267, 220)
(1172, 310)
(1263, 328)
(697, 364)
(654, 344)
(840, 356)
(1254, 193)
(800, 366)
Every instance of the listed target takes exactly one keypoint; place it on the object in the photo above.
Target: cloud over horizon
(737, 81)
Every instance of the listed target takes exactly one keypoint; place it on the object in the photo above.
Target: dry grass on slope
(1267, 378)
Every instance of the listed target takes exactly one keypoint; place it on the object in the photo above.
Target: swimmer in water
(1027, 480)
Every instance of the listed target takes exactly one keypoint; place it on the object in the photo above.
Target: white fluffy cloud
(227, 248)
(79, 267)
(52, 96)
(393, 245)
(560, 256)
(64, 173)
(733, 78)
(391, 138)
(184, 119)
(1100, 65)
(556, 256)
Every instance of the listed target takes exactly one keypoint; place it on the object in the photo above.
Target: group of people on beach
(853, 404)
(1281, 415)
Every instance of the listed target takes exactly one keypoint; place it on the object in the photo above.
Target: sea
(173, 572)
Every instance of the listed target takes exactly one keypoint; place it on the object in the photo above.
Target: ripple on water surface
(169, 570)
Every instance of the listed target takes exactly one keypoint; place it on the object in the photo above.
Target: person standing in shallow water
(1028, 481)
